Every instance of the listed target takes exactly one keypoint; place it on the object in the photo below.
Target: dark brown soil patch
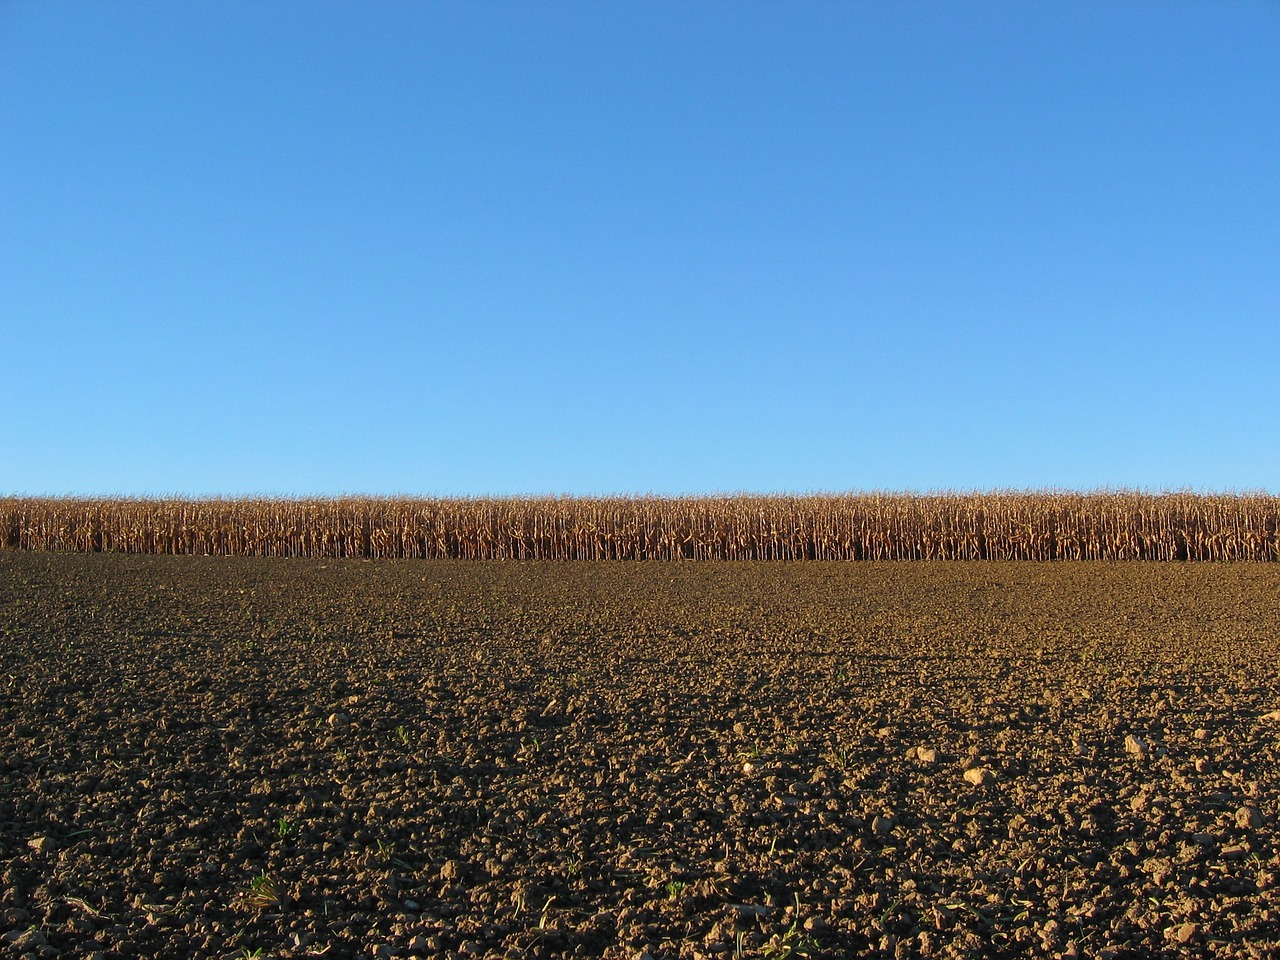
(208, 757)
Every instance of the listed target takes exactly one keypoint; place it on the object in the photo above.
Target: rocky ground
(250, 758)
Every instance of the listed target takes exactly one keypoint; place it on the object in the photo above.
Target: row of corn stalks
(995, 526)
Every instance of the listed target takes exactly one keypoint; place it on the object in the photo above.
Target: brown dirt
(208, 757)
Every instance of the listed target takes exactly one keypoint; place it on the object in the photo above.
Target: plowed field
(208, 757)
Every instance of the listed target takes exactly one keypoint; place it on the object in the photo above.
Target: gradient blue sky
(679, 247)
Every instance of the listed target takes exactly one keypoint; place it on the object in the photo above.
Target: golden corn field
(993, 526)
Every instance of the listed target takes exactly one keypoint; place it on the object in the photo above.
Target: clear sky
(612, 247)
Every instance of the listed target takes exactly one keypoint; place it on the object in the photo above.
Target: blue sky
(672, 247)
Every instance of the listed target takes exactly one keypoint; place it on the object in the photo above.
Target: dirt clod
(1248, 817)
(1135, 746)
(979, 776)
(451, 870)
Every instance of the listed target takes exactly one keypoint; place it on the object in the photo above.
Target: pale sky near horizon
(674, 247)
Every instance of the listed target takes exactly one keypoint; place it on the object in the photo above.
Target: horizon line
(924, 493)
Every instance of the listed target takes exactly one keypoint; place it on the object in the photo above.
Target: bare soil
(207, 757)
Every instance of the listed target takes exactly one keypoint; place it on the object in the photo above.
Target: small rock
(381, 952)
(1248, 818)
(413, 906)
(740, 728)
(1136, 747)
(1203, 765)
(1236, 851)
(748, 768)
(1184, 933)
(1204, 839)
(926, 755)
(1201, 734)
(39, 844)
(979, 776)
(337, 720)
(1273, 716)
(882, 825)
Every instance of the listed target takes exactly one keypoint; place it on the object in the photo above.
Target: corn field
(996, 526)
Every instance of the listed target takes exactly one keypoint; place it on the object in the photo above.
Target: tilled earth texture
(239, 758)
